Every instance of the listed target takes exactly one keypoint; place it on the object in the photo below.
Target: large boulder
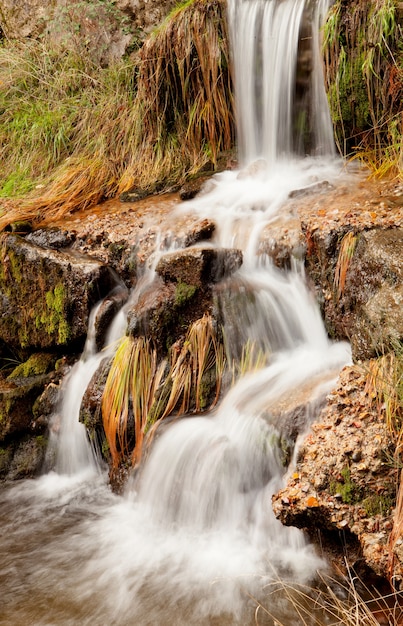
(361, 289)
(46, 295)
(344, 480)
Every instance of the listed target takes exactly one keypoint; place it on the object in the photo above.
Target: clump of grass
(344, 601)
(139, 393)
(73, 133)
(384, 385)
(346, 252)
(364, 76)
(130, 388)
(252, 358)
(184, 67)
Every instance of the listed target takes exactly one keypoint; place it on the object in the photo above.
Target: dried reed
(346, 252)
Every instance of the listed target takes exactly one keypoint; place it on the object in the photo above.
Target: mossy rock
(46, 295)
(37, 364)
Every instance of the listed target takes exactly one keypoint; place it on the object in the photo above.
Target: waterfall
(194, 538)
(279, 89)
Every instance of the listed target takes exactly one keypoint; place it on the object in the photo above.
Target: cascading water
(194, 538)
(281, 105)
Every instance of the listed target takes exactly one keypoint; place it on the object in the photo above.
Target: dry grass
(384, 386)
(139, 393)
(129, 394)
(346, 252)
(397, 530)
(184, 79)
(334, 602)
(73, 133)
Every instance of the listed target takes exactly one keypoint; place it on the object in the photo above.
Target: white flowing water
(194, 540)
(270, 121)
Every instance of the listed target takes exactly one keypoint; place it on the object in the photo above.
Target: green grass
(363, 46)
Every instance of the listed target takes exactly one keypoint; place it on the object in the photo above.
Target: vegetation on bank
(73, 133)
(363, 43)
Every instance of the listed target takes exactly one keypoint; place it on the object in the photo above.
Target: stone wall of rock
(361, 288)
(108, 29)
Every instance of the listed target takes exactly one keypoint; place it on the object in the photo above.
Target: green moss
(39, 363)
(41, 441)
(184, 293)
(15, 266)
(349, 490)
(378, 504)
(54, 317)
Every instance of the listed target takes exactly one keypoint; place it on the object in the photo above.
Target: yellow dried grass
(346, 252)
(139, 389)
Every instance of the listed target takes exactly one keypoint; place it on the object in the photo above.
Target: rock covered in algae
(360, 287)
(46, 295)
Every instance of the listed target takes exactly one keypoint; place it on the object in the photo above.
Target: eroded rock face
(46, 296)
(107, 29)
(368, 309)
(344, 479)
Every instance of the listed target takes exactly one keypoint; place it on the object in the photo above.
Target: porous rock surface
(343, 484)
(108, 29)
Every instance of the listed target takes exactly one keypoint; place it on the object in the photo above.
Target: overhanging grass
(73, 133)
(364, 76)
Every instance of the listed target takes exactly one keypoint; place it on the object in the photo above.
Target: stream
(193, 540)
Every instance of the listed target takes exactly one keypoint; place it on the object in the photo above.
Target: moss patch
(349, 491)
(37, 364)
(184, 293)
(53, 318)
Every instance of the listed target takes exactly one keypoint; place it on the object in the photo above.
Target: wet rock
(90, 410)
(201, 231)
(17, 398)
(190, 189)
(321, 187)
(155, 314)
(46, 295)
(342, 479)
(373, 295)
(45, 405)
(367, 308)
(107, 311)
(27, 458)
(52, 238)
(198, 266)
